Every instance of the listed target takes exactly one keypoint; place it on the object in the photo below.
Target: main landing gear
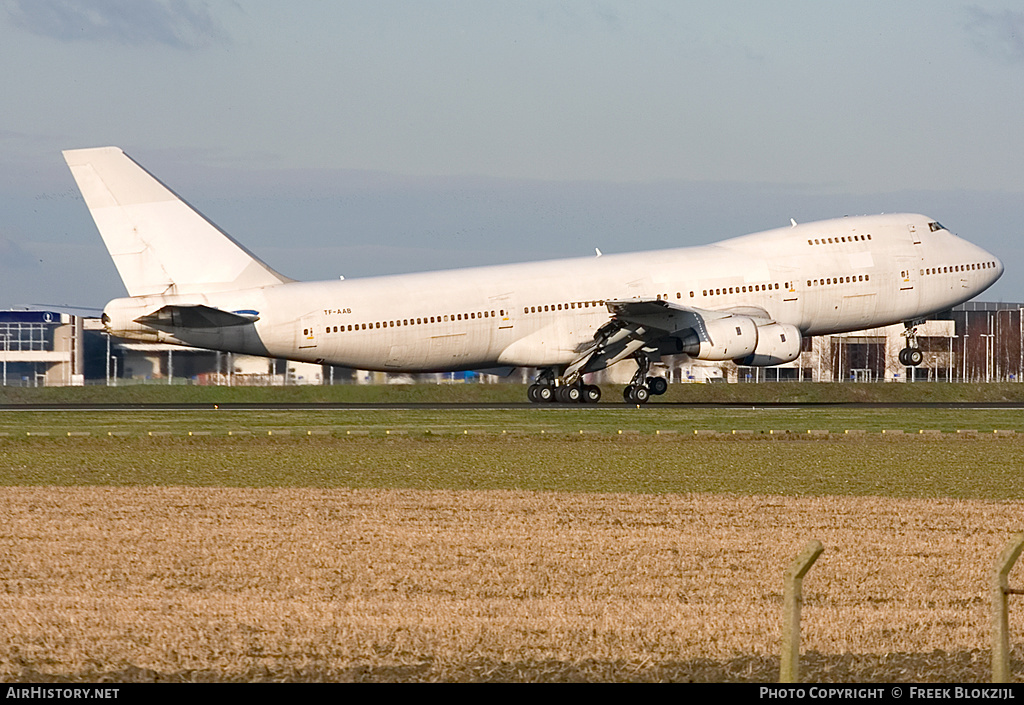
(911, 356)
(641, 387)
(550, 387)
(546, 389)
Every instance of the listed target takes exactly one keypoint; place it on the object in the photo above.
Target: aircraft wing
(656, 326)
(196, 316)
(667, 317)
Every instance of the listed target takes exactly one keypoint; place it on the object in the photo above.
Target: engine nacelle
(721, 339)
(776, 343)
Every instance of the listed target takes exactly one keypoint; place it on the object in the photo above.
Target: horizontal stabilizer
(196, 316)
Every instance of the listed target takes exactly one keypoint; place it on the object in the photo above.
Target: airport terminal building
(975, 342)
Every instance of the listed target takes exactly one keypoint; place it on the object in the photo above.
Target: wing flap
(666, 317)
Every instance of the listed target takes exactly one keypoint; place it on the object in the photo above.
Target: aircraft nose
(995, 269)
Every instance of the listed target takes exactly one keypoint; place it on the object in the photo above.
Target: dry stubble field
(187, 583)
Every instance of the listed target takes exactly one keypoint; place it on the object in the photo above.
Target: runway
(521, 406)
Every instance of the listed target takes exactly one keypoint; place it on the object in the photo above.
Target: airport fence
(789, 660)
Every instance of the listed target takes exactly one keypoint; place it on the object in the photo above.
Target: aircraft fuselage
(823, 277)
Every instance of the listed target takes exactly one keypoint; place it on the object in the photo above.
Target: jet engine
(776, 343)
(721, 339)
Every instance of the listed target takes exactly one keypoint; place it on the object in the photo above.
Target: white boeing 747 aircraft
(751, 299)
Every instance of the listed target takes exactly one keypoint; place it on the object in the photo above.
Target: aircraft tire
(657, 385)
(914, 356)
(531, 393)
(591, 394)
(573, 394)
(545, 393)
(641, 395)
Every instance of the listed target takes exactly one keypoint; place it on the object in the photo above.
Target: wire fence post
(789, 661)
(1000, 609)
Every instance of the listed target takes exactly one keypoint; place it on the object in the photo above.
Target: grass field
(467, 545)
(785, 392)
(562, 420)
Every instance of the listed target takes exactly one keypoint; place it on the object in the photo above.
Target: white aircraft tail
(159, 243)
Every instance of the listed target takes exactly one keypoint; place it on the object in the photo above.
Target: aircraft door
(306, 333)
(908, 293)
(502, 328)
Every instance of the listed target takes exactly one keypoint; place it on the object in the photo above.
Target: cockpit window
(935, 227)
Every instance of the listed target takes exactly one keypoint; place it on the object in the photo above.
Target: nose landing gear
(911, 356)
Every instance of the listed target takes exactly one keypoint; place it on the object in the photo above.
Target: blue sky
(363, 138)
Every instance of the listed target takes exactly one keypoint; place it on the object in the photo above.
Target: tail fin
(159, 243)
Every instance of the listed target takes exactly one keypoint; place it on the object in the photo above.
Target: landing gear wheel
(569, 395)
(911, 357)
(591, 394)
(636, 394)
(657, 385)
(532, 393)
(545, 393)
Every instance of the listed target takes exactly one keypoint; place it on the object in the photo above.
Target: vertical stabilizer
(159, 243)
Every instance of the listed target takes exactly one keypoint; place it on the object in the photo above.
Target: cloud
(999, 34)
(182, 24)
